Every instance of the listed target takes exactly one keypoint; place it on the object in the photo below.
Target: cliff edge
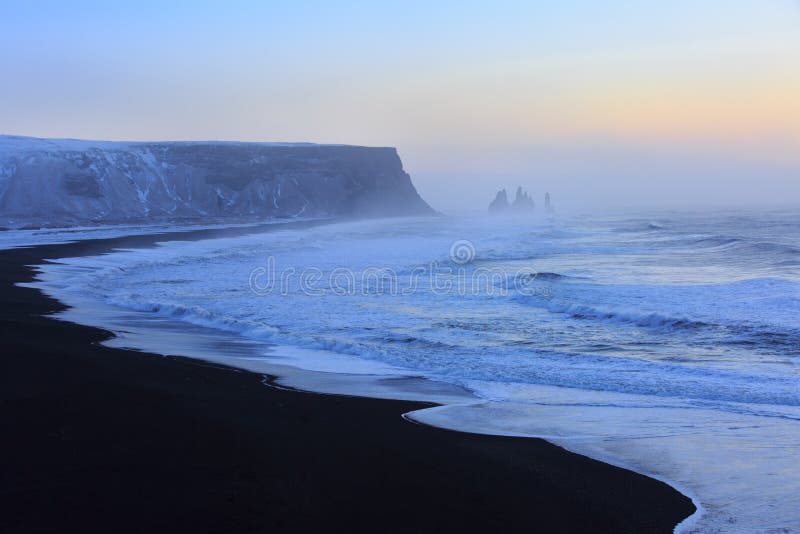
(66, 181)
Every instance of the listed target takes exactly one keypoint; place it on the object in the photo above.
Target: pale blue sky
(596, 101)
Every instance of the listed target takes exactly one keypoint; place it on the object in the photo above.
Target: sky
(602, 103)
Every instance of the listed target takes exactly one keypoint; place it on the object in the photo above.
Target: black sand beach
(96, 439)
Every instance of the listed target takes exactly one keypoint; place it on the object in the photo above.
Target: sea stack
(548, 206)
(500, 203)
(523, 201)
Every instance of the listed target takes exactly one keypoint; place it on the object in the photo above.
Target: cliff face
(69, 181)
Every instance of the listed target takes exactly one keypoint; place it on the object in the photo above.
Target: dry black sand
(96, 439)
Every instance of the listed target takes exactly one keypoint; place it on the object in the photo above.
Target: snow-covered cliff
(64, 181)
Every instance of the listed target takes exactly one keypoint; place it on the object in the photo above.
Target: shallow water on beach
(666, 343)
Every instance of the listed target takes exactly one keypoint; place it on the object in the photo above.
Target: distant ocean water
(665, 342)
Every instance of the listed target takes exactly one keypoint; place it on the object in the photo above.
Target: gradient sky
(600, 102)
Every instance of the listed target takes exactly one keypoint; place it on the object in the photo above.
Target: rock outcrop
(548, 206)
(44, 181)
(500, 203)
(523, 201)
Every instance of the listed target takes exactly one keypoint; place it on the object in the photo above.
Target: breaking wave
(651, 320)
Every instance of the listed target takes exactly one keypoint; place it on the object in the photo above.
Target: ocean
(667, 342)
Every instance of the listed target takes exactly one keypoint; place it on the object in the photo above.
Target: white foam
(679, 421)
(739, 469)
(293, 367)
(16, 238)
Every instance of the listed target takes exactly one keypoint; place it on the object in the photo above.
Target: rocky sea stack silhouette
(500, 203)
(548, 205)
(523, 202)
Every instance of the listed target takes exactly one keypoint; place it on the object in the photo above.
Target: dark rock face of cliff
(69, 181)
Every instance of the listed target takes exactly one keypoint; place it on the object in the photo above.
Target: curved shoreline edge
(684, 526)
(643, 498)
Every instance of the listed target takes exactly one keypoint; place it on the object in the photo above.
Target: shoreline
(101, 434)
